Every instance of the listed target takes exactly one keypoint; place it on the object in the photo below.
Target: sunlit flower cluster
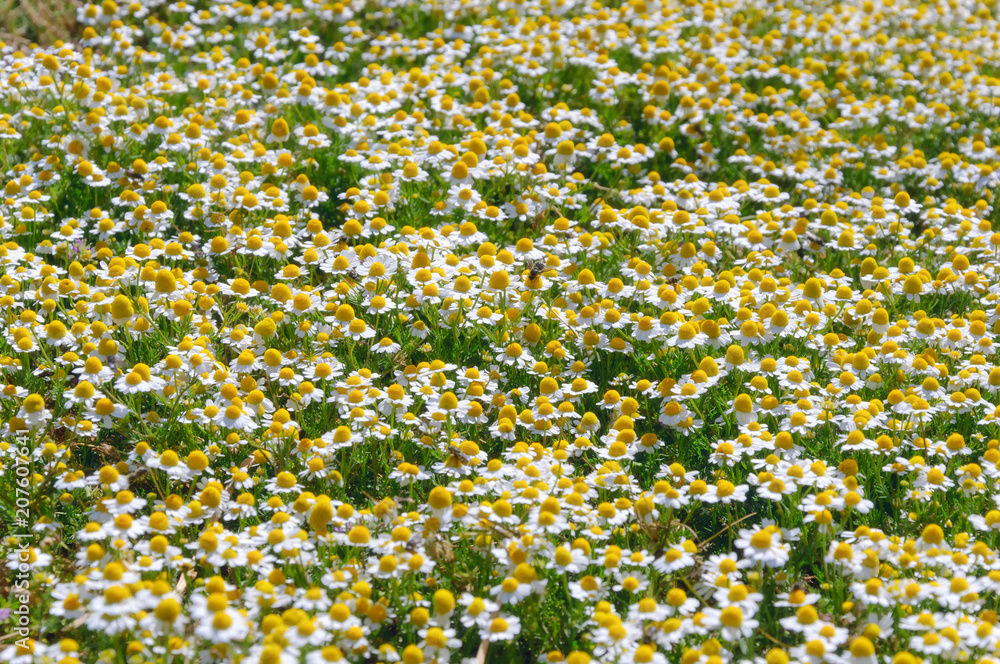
(536, 330)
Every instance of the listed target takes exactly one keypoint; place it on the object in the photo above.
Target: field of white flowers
(515, 331)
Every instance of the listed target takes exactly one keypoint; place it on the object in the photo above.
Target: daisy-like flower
(501, 628)
(763, 545)
(731, 622)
